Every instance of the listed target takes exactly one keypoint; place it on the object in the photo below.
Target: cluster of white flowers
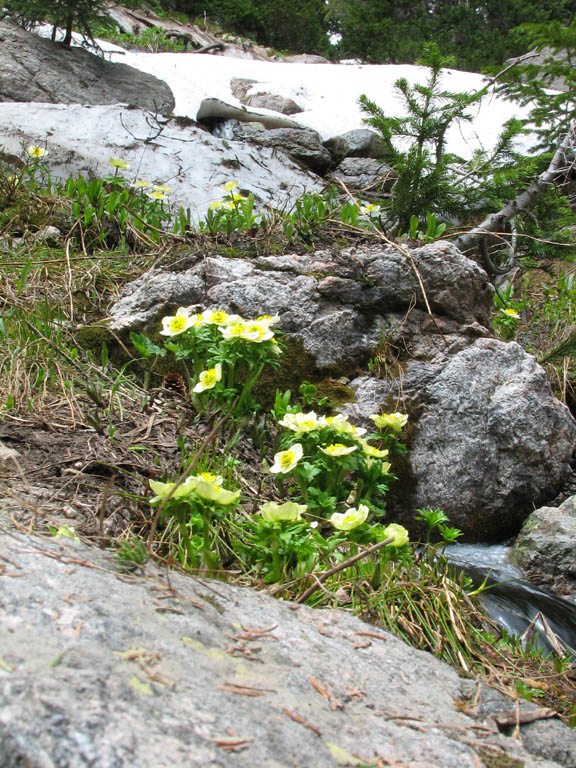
(230, 326)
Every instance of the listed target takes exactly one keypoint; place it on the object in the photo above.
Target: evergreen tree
(549, 85)
(298, 26)
(65, 14)
(426, 182)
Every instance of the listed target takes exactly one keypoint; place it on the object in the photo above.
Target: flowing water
(511, 601)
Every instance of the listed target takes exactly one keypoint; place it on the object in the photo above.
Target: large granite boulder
(372, 178)
(488, 443)
(35, 69)
(487, 440)
(162, 669)
(546, 547)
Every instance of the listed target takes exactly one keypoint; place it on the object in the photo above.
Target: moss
(497, 759)
(93, 337)
(296, 365)
(336, 392)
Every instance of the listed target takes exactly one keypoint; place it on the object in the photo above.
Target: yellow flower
(209, 378)
(285, 461)
(275, 513)
(142, 184)
(339, 449)
(399, 533)
(302, 422)
(162, 188)
(215, 205)
(178, 323)
(230, 186)
(35, 151)
(215, 492)
(352, 518)
(394, 421)
(386, 466)
(511, 313)
(236, 196)
(155, 194)
(116, 162)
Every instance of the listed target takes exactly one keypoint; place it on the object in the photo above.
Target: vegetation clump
(292, 499)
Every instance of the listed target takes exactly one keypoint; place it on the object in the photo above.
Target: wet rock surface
(147, 670)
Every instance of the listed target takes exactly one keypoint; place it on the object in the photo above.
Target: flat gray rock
(100, 668)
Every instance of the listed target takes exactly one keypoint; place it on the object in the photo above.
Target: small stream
(512, 601)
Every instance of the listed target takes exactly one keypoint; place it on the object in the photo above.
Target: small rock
(546, 547)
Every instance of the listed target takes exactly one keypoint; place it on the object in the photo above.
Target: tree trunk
(68, 34)
(495, 222)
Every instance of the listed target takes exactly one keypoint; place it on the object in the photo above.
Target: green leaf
(145, 347)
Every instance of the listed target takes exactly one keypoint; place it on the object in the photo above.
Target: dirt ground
(58, 469)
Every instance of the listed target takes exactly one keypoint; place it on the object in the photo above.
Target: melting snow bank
(326, 93)
(80, 140)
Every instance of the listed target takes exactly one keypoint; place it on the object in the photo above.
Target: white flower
(289, 511)
(352, 518)
(233, 330)
(35, 151)
(370, 450)
(340, 423)
(209, 378)
(178, 323)
(116, 162)
(302, 422)
(216, 316)
(370, 209)
(398, 532)
(257, 332)
(394, 421)
(338, 449)
(285, 461)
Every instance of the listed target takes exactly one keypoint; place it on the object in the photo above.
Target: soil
(56, 469)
